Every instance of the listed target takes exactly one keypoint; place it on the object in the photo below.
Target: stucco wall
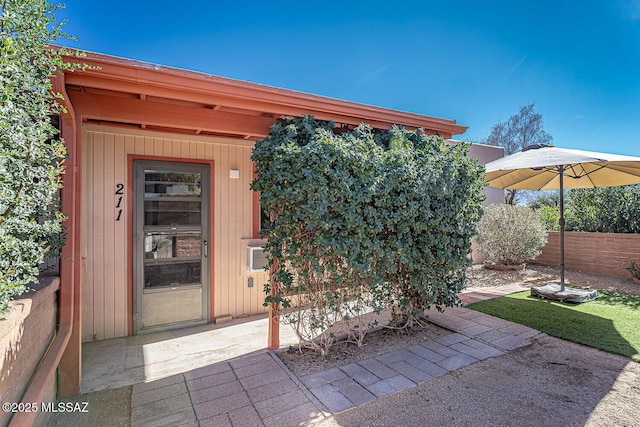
(25, 334)
(598, 253)
(486, 154)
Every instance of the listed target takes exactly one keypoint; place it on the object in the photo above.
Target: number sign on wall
(119, 195)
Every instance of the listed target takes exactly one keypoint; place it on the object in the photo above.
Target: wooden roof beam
(146, 113)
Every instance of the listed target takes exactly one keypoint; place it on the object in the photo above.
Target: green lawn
(610, 323)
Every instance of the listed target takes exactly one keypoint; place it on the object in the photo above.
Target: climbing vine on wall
(363, 221)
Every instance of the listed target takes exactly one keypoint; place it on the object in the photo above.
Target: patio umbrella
(543, 167)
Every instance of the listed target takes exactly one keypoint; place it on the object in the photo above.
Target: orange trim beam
(137, 111)
(110, 73)
(70, 368)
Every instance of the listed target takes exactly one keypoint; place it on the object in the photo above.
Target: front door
(171, 245)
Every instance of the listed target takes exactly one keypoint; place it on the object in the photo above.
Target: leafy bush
(605, 210)
(362, 221)
(634, 269)
(31, 157)
(550, 217)
(510, 235)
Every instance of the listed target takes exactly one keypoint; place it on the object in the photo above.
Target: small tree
(31, 157)
(521, 130)
(510, 235)
(549, 198)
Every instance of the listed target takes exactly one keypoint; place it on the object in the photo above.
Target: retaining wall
(26, 331)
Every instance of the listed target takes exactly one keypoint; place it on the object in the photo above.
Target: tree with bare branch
(521, 130)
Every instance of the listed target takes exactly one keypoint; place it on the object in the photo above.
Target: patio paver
(258, 389)
(353, 391)
(390, 385)
(456, 362)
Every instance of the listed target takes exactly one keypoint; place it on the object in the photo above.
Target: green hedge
(31, 154)
(364, 220)
(604, 210)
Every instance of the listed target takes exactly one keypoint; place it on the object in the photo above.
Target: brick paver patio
(259, 390)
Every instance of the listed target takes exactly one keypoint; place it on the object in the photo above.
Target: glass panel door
(171, 254)
(172, 259)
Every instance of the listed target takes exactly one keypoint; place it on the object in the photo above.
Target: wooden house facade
(156, 190)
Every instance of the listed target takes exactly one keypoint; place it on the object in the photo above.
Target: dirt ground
(549, 383)
(383, 341)
(534, 275)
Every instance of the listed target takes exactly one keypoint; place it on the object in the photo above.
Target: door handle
(206, 249)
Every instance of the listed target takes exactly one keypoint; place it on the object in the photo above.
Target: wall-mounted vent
(256, 259)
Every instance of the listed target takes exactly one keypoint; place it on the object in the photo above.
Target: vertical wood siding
(105, 246)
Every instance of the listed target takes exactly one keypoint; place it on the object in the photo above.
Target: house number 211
(119, 194)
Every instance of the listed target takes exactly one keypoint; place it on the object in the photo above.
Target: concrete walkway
(471, 295)
(126, 361)
(259, 390)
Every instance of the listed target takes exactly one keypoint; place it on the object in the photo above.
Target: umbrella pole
(561, 173)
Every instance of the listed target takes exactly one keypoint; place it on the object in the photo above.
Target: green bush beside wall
(363, 220)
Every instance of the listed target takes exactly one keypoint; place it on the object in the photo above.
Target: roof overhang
(122, 91)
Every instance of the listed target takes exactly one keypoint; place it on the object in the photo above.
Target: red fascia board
(138, 77)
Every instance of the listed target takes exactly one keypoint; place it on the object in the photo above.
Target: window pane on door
(172, 184)
(172, 245)
(172, 198)
(172, 274)
(172, 212)
(169, 258)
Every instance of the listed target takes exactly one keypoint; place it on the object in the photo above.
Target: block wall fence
(598, 253)
(25, 334)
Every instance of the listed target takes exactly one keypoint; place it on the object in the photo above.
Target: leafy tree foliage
(547, 205)
(550, 217)
(510, 235)
(360, 221)
(31, 158)
(522, 129)
(606, 210)
(550, 198)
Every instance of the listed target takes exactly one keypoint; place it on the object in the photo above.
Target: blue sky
(472, 61)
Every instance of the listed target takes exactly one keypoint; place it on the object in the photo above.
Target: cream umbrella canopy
(543, 167)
